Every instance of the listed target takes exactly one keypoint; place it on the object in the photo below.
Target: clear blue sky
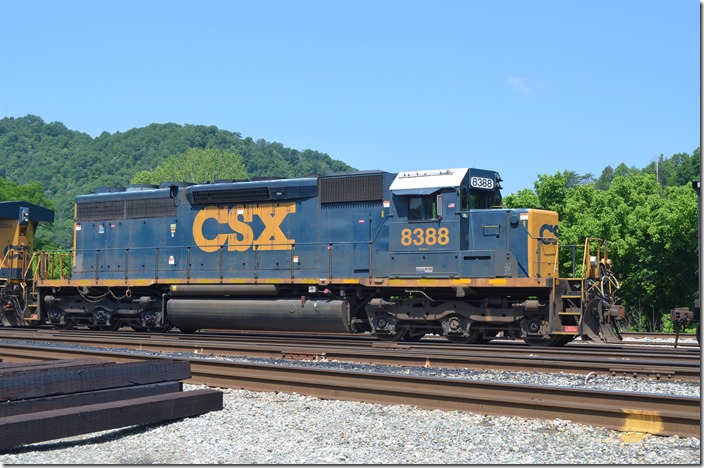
(521, 87)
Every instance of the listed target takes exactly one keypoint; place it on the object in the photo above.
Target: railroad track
(669, 336)
(662, 364)
(623, 411)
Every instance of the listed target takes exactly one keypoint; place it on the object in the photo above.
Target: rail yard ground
(283, 428)
(280, 428)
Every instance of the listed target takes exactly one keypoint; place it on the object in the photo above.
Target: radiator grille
(125, 209)
(352, 189)
(96, 211)
(231, 195)
(151, 208)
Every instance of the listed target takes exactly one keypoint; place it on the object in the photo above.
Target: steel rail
(668, 335)
(685, 366)
(349, 341)
(622, 411)
(363, 340)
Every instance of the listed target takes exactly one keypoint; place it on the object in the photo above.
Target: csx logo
(548, 233)
(241, 224)
(13, 252)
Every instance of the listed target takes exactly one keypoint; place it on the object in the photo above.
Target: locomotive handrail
(15, 257)
(2, 265)
(378, 231)
(56, 265)
(594, 278)
(556, 263)
(31, 264)
(573, 248)
(587, 267)
(51, 265)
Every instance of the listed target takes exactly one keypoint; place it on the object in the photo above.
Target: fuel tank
(261, 314)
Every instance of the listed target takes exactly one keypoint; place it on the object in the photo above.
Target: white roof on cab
(429, 179)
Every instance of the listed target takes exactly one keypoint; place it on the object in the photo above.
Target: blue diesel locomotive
(397, 255)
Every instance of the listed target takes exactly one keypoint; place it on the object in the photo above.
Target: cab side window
(422, 208)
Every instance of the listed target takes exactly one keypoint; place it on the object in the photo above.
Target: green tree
(679, 169)
(524, 198)
(197, 166)
(552, 189)
(604, 181)
(32, 192)
(624, 171)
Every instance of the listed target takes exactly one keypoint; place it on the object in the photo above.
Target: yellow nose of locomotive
(542, 226)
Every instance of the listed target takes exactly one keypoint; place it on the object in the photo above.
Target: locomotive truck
(395, 255)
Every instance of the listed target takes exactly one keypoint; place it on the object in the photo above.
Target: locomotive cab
(18, 223)
(435, 213)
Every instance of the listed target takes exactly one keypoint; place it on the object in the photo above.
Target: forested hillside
(649, 215)
(67, 163)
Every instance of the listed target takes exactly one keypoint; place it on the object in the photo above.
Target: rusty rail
(623, 411)
(663, 365)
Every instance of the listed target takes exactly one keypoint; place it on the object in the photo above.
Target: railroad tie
(50, 400)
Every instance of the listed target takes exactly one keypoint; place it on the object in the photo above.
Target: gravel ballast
(275, 428)
(279, 428)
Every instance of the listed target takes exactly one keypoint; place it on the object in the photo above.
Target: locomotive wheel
(67, 325)
(415, 334)
(488, 336)
(388, 337)
(459, 339)
(474, 337)
(189, 331)
(114, 326)
(553, 341)
(161, 329)
(567, 339)
(137, 328)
